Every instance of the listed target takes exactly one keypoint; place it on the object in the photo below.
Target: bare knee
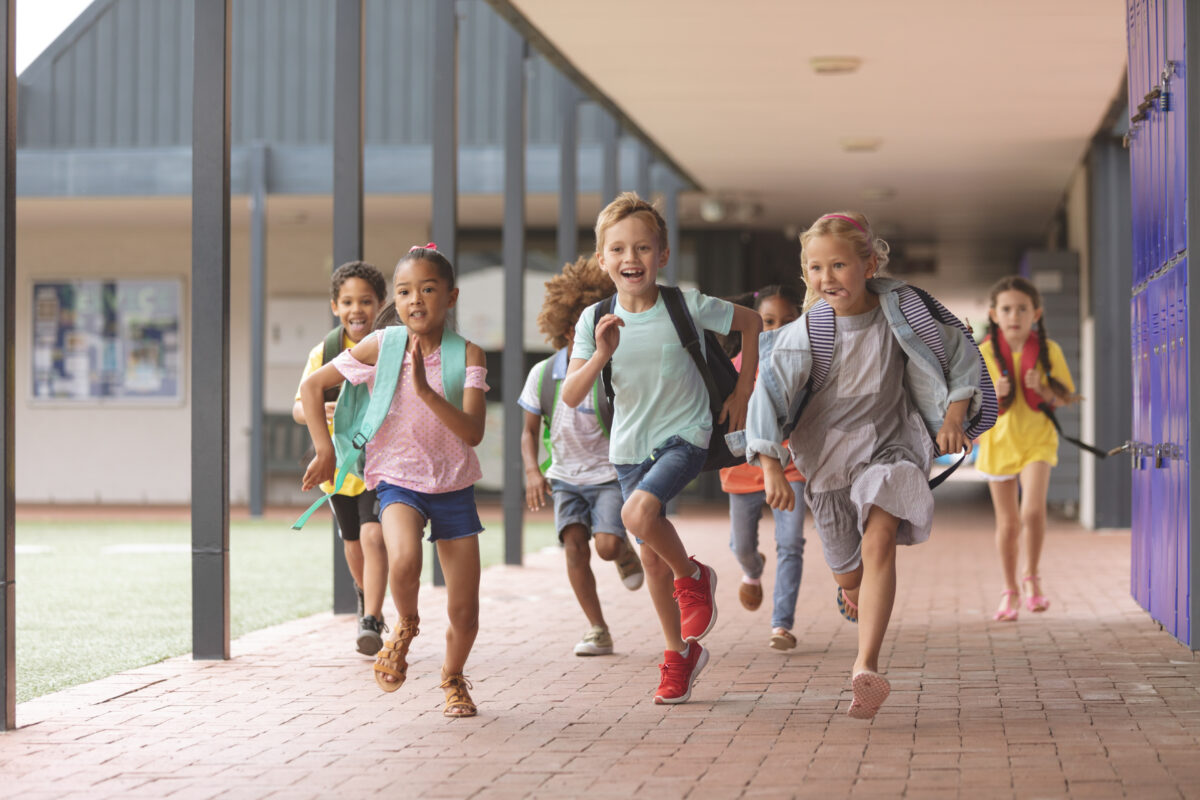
(608, 546)
(639, 512)
(464, 615)
(575, 546)
(1034, 519)
(849, 580)
(404, 571)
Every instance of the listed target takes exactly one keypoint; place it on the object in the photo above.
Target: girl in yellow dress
(1029, 372)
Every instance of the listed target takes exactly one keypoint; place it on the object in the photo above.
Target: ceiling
(983, 110)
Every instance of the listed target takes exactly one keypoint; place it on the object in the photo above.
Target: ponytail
(994, 334)
(1064, 395)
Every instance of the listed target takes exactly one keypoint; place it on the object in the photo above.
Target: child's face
(632, 256)
(839, 276)
(422, 296)
(777, 312)
(1015, 314)
(356, 307)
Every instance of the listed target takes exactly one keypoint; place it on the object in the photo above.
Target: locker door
(1176, 123)
(1140, 507)
(1179, 437)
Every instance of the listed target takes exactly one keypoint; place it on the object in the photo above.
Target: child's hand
(952, 438)
(322, 468)
(608, 335)
(418, 368)
(734, 410)
(1003, 386)
(329, 408)
(536, 489)
(778, 491)
(1034, 381)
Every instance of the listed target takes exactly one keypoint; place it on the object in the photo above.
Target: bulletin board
(107, 340)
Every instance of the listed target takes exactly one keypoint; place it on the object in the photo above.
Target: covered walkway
(1090, 699)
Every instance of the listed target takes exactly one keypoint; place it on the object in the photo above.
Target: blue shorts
(451, 515)
(597, 508)
(671, 467)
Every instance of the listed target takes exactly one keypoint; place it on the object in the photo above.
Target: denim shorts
(597, 508)
(451, 515)
(671, 467)
(352, 512)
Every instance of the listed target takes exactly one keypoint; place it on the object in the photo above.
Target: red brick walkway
(1090, 699)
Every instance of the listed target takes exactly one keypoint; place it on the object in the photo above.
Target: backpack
(330, 349)
(360, 411)
(720, 376)
(921, 311)
(548, 391)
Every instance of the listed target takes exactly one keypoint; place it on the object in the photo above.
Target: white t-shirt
(659, 392)
(580, 448)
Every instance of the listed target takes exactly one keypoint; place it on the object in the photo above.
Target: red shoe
(679, 673)
(697, 605)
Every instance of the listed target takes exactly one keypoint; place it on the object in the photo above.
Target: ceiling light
(712, 209)
(861, 144)
(835, 65)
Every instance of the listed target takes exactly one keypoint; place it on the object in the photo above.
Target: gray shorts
(597, 508)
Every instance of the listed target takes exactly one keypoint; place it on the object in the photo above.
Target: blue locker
(1179, 375)
(1177, 124)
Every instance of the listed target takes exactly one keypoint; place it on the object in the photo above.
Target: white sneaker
(629, 567)
(596, 642)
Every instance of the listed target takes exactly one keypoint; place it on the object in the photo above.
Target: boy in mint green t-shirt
(661, 419)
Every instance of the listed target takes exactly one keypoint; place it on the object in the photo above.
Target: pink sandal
(870, 690)
(845, 606)
(1007, 614)
(1035, 602)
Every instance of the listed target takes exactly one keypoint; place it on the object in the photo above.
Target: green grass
(94, 599)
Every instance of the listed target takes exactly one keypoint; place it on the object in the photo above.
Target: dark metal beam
(568, 173)
(258, 325)
(210, 331)
(610, 143)
(641, 167)
(348, 70)
(8, 328)
(513, 246)
(671, 217)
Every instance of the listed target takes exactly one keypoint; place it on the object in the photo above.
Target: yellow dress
(353, 485)
(1021, 435)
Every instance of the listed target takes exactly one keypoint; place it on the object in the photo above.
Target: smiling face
(423, 296)
(777, 312)
(1014, 312)
(356, 307)
(838, 275)
(632, 255)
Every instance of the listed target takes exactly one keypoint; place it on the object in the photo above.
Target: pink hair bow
(429, 246)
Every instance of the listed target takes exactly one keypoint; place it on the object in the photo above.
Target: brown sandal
(392, 657)
(458, 702)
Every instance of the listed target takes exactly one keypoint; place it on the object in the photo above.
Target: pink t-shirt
(413, 449)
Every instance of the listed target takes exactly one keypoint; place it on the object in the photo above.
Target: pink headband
(851, 220)
(430, 246)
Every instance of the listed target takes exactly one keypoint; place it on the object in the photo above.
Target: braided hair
(1015, 283)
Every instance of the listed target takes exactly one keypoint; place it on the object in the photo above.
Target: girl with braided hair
(1016, 455)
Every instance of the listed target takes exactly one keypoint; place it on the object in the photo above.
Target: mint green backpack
(360, 411)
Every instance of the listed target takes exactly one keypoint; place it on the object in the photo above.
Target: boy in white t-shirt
(587, 496)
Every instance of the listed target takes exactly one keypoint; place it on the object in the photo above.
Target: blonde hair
(851, 227)
(567, 295)
(628, 204)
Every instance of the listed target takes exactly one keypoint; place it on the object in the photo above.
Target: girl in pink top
(422, 466)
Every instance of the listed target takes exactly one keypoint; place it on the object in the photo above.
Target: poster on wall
(96, 340)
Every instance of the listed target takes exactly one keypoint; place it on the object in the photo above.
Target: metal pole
(642, 170)
(258, 326)
(513, 246)
(609, 148)
(8, 310)
(445, 148)
(349, 27)
(671, 217)
(568, 172)
(210, 331)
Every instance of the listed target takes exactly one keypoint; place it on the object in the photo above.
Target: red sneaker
(678, 674)
(697, 604)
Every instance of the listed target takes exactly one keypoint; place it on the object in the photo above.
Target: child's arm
(536, 485)
(952, 438)
(749, 323)
(312, 401)
(582, 373)
(466, 424)
(779, 494)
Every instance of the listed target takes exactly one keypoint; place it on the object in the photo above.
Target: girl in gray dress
(869, 432)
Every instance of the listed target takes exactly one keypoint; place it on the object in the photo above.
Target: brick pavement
(1090, 699)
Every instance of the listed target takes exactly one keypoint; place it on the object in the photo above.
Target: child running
(421, 463)
(587, 496)
(778, 306)
(662, 421)
(864, 440)
(1017, 454)
(358, 290)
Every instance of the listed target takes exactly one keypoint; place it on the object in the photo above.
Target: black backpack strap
(689, 337)
(330, 349)
(605, 306)
(1046, 409)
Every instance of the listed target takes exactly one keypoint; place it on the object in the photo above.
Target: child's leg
(663, 558)
(354, 559)
(402, 528)
(609, 545)
(745, 511)
(374, 570)
(579, 572)
(460, 564)
(1008, 528)
(789, 560)
(1035, 481)
(877, 592)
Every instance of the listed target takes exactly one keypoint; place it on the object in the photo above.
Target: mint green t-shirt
(658, 390)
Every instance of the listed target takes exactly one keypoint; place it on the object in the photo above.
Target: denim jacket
(785, 359)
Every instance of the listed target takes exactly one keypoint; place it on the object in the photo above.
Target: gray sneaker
(370, 635)
(629, 567)
(596, 642)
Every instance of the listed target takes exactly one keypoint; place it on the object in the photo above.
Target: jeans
(745, 510)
